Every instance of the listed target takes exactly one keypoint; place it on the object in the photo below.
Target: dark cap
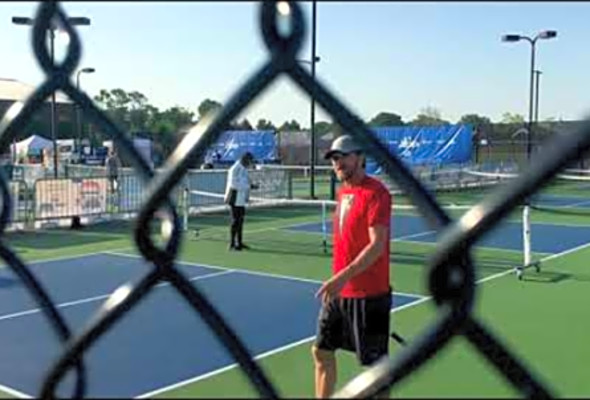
(344, 145)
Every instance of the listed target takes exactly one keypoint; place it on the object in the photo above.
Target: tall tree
(476, 120)
(243, 125)
(509, 118)
(322, 127)
(293, 125)
(265, 125)
(138, 116)
(132, 112)
(386, 119)
(116, 105)
(170, 126)
(208, 106)
(429, 116)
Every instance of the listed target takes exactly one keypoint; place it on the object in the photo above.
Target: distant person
(356, 300)
(113, 166)
(237, 192)
(46, 160)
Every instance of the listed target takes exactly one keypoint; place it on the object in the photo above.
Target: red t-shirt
(360, 207)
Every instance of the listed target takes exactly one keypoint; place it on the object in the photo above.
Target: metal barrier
(451, 272)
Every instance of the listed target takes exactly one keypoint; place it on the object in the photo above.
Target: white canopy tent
(34, 143)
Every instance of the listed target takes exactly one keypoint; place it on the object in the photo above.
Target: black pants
(237, 225)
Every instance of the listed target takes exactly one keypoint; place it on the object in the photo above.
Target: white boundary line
(104, 296)
(19, 394)
(64, 258)
(249, 272)
(422, 300)
(434, 243)
(235, 269)
(415, 235)
(478, 247)
(8, 389)
(258, 357)
(223, 271)
(577, 204)
(308, 339)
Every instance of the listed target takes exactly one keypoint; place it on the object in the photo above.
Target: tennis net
(566, 193)
(276, 225)
(206, 217)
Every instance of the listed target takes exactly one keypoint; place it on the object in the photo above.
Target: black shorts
(360, 325)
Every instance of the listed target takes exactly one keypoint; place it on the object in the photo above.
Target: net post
(526, 236)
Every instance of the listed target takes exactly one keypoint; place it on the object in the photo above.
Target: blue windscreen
(232, 144)
(419, 145)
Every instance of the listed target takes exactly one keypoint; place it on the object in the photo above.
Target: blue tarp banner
(232, 144)
(425, 145)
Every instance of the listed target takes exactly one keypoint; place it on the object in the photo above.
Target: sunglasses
(340, 156)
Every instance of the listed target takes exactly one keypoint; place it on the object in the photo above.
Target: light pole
(548, 34)
(537, 79)
(78, 116)
(284, 9)
(312, 150)
(314, 59)
(31, 22)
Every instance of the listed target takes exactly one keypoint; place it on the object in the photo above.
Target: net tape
(571, 175)
(194, 202)
(450, 268)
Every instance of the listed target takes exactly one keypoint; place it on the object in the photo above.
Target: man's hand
(331, 289)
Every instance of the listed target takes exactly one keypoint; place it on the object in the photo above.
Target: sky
(396, 57)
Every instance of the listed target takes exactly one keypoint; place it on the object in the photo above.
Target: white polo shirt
(237, 178)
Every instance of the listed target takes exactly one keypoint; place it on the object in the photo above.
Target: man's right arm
(233, 178)
(229, 186)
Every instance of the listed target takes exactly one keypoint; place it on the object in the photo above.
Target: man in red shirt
(356, 300)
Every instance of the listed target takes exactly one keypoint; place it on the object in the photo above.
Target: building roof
(13, 90)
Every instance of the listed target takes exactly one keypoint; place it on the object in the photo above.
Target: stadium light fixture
(510, 38)
(547, 34)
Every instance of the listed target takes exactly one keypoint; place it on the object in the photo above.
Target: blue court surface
(545, 238)
(160, 343)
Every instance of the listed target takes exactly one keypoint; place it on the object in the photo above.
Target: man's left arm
(378, 239)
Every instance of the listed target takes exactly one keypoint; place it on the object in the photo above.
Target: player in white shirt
(237, 191)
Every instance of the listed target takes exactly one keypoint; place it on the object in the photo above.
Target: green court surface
(542, 318)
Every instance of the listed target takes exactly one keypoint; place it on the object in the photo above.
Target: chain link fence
(451, 271)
